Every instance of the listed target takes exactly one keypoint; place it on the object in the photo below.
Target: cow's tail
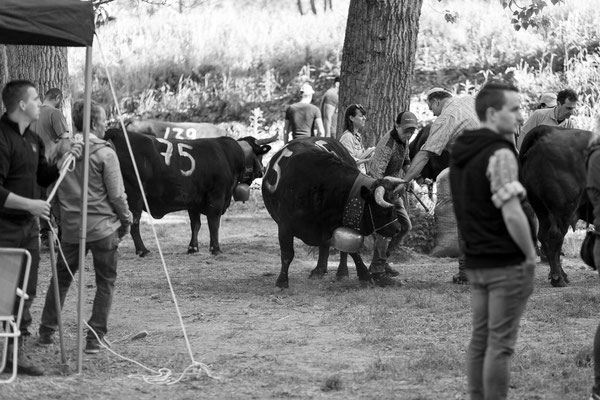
(531, 139)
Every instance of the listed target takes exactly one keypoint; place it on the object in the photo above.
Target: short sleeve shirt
(503, 173)
(545, 116)
(302, 118)
(457, 115)
(50, 126)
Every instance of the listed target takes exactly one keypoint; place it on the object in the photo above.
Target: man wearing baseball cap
(303, 118)
(391, 158)
(454, 115)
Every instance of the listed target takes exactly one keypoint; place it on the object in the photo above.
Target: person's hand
(123, 231)
(76, 150)
(39, 208)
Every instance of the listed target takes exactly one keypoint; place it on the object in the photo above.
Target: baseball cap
(435, 90)
(549, 99)
(306, 89)
(408, 120)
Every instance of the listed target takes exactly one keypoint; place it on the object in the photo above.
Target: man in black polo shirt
(23, 168)
(497, 240)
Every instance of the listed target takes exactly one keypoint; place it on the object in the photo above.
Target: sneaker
(391, 271)
(383, 279)
(92, 346)
(45, 339)
(25, 365)
(460, 279)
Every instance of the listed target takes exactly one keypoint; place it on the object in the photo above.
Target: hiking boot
(45, 339)
(93, 346)
(383, 279)
(25, 365)
(460, 279)
(391, 271)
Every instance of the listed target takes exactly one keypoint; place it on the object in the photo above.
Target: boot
(25, 365)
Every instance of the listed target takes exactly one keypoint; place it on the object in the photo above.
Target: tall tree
(45, 66)
(378, 60)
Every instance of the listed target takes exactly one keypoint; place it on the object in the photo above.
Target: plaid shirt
(389, 158)
(503, 173)
(457, 115)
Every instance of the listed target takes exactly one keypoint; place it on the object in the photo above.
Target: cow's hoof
(342, 277)
(558, 281)
(143, 253)
(317, 274)
(192, 249)
(215, 251)
(566, 278)
(282, 283)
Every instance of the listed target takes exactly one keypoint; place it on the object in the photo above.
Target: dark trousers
(384, 246)
(498, 299)
(104, 254)
(24, 235)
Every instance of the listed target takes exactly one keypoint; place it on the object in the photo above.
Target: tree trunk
(378, 61)
(45, 66)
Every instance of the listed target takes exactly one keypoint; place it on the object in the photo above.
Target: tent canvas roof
(47, 22)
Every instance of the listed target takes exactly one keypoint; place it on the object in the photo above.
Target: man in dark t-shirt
(302, 118)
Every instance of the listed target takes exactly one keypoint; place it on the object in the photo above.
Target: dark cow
(175, 130)
(311, 187)
(194, 175)
(553, 172)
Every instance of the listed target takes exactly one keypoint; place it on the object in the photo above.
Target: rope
(163, 376)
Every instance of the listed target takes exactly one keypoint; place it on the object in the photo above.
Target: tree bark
(45, 66)
(378, 61)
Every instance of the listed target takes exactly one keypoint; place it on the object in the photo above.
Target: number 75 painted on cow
(181, 149)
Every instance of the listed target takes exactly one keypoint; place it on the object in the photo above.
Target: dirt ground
(320, 339)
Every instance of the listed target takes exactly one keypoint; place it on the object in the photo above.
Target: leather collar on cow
(355, 204)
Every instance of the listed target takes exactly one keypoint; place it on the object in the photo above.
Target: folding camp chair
(12, 262)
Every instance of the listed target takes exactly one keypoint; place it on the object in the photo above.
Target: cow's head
(379, 214)
(253, 149)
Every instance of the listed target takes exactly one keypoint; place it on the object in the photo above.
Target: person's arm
(320, 129)
(507, 193)
(417, 164)
(328, 112)
(286, 131)
(59, 125)
(380, 161)
(529, 125)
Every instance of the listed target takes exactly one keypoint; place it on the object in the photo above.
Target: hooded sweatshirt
(107, 201)
(487, 243)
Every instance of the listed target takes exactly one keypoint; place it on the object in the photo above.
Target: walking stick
(63, 356)
(419, 200)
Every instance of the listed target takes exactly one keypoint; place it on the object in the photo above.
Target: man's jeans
(384, 246)
(104, 254)
(498, 299)
(24, 235)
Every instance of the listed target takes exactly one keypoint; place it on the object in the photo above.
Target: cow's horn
(271, 139)
(393, 180)
(379, 192)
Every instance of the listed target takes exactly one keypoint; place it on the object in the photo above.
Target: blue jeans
(498, 299)
(104, 254)
(25, 235)
(383, 246)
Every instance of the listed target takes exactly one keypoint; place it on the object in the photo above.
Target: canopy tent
(58, 23)
(47, 22)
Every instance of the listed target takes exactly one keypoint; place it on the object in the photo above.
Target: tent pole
(84, 201)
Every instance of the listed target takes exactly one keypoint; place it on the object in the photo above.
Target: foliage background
(217, 60)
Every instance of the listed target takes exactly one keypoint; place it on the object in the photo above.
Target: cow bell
(347, 240)
(241, 192)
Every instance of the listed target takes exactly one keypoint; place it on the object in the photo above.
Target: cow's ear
(265, 148)
(366, 193)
